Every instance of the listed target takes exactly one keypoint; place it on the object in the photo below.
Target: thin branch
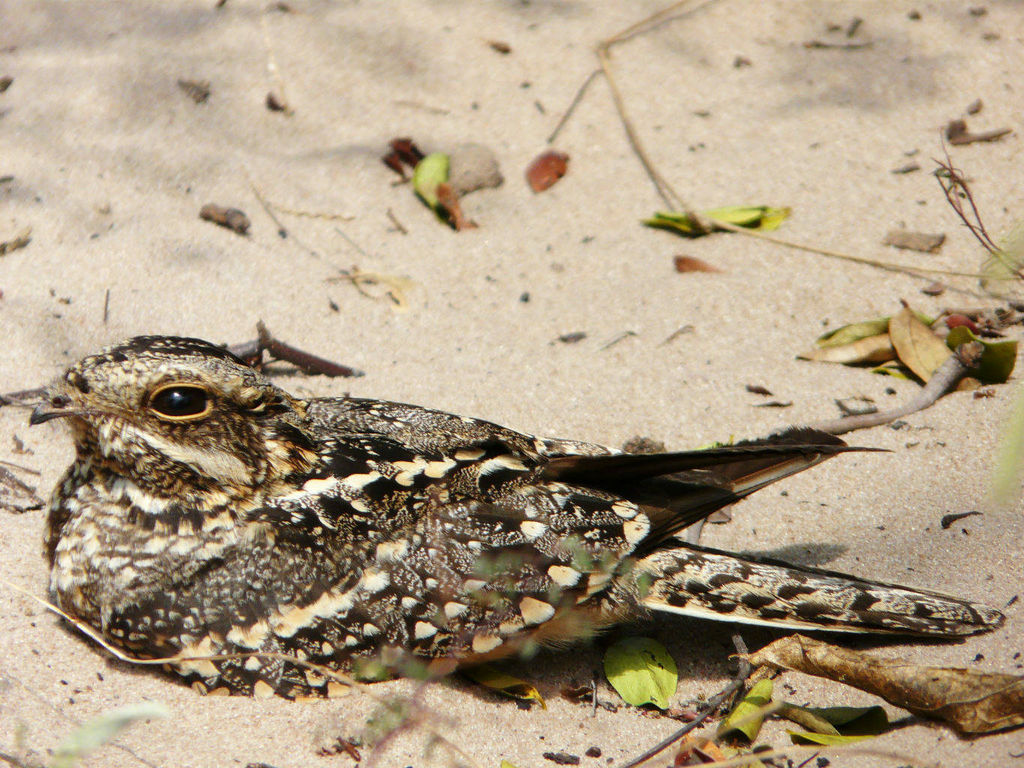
(945, 379)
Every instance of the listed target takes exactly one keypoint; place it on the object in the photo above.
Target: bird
(266, 542)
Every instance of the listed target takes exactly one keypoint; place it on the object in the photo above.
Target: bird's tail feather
(696, 581)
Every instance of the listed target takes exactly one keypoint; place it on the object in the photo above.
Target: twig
(616, 340)
(308, 363)
(954, 185)
(945, 379)
(711, 707)
(20, 468)
(23, 397)
(106, 306)
(282, 231)
(396, 222)
(572, 105)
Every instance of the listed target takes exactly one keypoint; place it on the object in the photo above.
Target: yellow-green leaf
(916, 344)
(746, 719)
(825, 739)
(507, 764)
(494, 679)
(642, 671)
(998, 359)
(894, 369)
(429, 174)
(750, 216)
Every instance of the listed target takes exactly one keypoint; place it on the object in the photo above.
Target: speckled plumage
(208, 511)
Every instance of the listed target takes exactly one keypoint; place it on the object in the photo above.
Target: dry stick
(306, 362)
(572, 105)
(946, 377)
(712, 706)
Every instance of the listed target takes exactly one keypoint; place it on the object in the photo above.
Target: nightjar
(208, 511)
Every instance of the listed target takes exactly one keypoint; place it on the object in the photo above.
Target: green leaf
(494, 679)
(100, 730)
(746, 719)
(998, 359)
(429, 174)
(824, 739)
(506, 764)
(642, 671)
(751, 216)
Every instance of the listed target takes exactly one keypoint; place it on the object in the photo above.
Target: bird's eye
(181, 401)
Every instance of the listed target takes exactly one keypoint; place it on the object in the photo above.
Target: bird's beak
(55, 408)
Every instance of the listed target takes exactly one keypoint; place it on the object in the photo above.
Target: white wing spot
(424, 630)
(625, 509)
(375, 581)
(392, 551)
(453, 609)
(634, 530)
(564, 576)
(473, 585)
(533, 529)
(485, 643)
(535, 611)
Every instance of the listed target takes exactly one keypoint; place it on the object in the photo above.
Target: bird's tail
(696, 581)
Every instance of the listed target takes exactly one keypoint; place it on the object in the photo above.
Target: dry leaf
(914, 241)
(693, 264)
(916, 344)
(870, 349)
(546, 169)
(971, 702)
(229, 218)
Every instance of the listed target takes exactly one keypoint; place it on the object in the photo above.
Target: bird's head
(177, 415)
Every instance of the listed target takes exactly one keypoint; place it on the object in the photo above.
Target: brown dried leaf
(693, 264)
(871, 349)
(916, 345)
(914, 241)
(971, 702)
(546, 169)
(230, 218)
(448, 200)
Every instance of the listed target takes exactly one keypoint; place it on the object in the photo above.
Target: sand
(111, 162)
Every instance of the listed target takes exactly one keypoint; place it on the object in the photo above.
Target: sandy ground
(111, 162)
